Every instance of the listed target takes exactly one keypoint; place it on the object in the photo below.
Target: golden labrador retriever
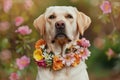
(60, 27)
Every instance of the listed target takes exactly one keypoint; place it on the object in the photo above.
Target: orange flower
(39, 43)
(57, 63)
(77, 60)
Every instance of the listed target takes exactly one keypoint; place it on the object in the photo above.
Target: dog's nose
(60, 25)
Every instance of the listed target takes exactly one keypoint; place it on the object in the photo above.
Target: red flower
(41, 63)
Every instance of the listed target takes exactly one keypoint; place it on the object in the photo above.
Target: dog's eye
(52, 17)
(69, 16)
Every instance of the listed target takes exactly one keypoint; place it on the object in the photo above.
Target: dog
(60, 27)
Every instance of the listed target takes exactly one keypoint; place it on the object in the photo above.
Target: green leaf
(19, 50)
(28, 46)
(5, 43)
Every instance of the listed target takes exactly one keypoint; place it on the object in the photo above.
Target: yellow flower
(37, 55)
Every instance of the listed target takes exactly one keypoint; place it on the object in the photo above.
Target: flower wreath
(73, 55)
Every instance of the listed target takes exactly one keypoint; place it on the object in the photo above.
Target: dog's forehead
(60, 9)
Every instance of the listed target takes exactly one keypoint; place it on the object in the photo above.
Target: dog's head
(62, 24)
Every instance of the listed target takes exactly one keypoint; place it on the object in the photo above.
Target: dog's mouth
(60, 35)
(61, 38)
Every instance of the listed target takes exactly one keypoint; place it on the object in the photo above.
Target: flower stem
(113, 23)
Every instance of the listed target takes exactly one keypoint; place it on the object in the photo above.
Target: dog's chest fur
(71, 73)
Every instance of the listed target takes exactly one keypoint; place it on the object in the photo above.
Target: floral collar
(73, 55)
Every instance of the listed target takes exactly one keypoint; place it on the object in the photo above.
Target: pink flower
(83, 42)
(68, 59)
(85, 53)
(41, 63)
(14, 76)
(28, 4)
(4, 26)
(7, 5)
(24, 30)
(22, 62)
(19, 20)
(106, 7)
(5, 54)
(110, 53)
(99, 42)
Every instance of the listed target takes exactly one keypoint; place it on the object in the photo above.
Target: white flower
(42, 46)
(47, 55)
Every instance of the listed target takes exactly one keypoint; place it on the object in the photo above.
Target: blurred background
(18, 36)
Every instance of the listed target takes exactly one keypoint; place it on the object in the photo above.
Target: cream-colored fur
(73, 27)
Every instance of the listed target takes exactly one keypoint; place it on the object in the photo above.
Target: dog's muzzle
(60, 32)
(60, 29)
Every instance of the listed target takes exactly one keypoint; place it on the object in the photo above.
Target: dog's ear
(39, 24)
(83, 21)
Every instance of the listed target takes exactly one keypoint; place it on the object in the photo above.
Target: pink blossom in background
(24, 30)
(110, 53)
(7, 5)
(28, 4)
(99, 42)
(4, 26)
(19, 20)
(14, 76)
(22, 62)
(5, 54)
(83, 42)
(106, 7)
